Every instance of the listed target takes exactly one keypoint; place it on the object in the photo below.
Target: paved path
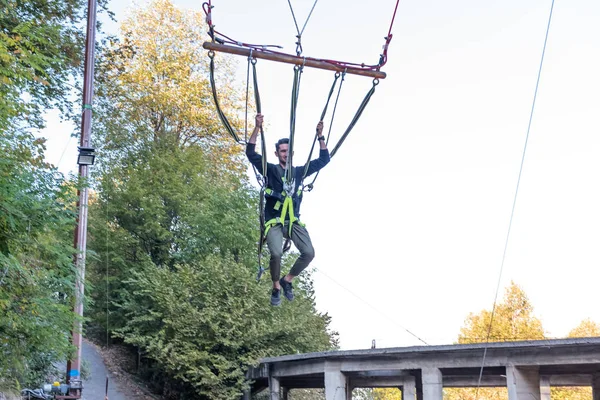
(95, 387)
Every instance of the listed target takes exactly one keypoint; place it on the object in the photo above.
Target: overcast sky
(410, 218)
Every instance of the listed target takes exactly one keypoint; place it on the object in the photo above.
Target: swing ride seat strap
(213, 86)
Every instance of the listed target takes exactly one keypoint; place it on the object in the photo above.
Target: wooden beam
(290, 59)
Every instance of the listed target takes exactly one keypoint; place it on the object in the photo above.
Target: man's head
(281, 150)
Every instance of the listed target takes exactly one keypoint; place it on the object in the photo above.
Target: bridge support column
(432, 384)
(596, 386)
(336, 383)
(523, 383)
(545, 387)
(409, 388)
(274, 388)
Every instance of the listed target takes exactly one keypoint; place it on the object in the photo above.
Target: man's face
(282, 153)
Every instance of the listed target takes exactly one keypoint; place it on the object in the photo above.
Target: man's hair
(281, 141)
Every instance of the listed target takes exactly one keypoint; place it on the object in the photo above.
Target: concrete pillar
(596, 386)
(545, 387)
(336, 383)
(246, 395)
(523, 383)
(432, 384)
(274, 388)
(409, 388)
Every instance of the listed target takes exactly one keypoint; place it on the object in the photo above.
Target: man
(282, 209)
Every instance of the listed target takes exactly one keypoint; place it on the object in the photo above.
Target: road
(95, 387)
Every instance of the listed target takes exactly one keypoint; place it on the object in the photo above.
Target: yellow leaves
(513, 320)
(157, 78)
(387, 394)
(164, 70)
(587, 328)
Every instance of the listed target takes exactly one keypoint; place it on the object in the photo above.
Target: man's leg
(275, 245)
(302, 241)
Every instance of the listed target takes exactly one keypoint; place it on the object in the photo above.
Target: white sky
(411, 216)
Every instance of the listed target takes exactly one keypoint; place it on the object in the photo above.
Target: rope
(294, 17)
(356, 117)
(514, 200)
(311, 185)
(289, 170)
(300, 32)
(388, 39)
(247, 93)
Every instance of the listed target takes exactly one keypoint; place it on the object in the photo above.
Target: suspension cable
(359, 112)
(300, 32)
(489, 331)
(388, 39)
(311, 185)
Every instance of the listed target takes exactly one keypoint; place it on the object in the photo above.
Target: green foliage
(363, 394)
(209, 321)
(36, 227)
(41, 44)
(179, 243)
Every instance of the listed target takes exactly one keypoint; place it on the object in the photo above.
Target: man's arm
(253, 156)
(323, 159)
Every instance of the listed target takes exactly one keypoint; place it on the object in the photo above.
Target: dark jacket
(275, 182)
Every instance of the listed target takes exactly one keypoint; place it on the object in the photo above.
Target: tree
(513, 320)
(387, 394)
(36, 227)
(587, 328)
(180, 248)
(153, 87)
(41, 45)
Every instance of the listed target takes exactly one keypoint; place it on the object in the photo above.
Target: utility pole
(85, 160)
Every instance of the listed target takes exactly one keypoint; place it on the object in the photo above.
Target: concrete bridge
(527, 369)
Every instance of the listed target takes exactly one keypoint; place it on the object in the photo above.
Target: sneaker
(275, 297)
(287, 287)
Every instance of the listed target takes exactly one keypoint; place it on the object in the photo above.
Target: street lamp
(86, 156)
